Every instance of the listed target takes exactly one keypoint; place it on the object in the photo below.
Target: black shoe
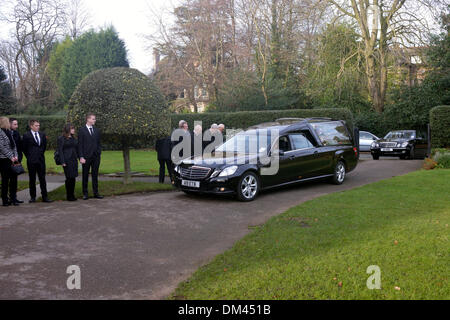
(6, 204)
(47, 200)
(85, 197)
(32, 200)
(15, 203)
(72, 199)
(97, 196)
(19, 201)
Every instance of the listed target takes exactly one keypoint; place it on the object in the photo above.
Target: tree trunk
(126, 164)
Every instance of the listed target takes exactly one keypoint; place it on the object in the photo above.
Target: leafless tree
(383, 26)
(78, 18)
(37, 25)
(198, 45)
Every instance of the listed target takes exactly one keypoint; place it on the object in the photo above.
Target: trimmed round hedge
(129, 108)
(440, 127)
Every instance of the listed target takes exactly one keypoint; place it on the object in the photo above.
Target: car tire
(339, 173)
(248, 187)
(376, 157)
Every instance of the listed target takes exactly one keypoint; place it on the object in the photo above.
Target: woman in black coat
(67, 149)
(8, 155)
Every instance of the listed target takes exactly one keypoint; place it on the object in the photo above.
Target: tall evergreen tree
(92, 51)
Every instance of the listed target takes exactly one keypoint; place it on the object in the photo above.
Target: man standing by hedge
(89, 151)
(34, 146)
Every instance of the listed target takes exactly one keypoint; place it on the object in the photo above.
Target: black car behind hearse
(271, 155)
(405, 144)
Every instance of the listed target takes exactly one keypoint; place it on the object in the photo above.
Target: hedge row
(245, 119)
(440, 127)
(381, 124)
(52, 125)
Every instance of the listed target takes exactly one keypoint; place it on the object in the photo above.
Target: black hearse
(405, 144)
(270, 155)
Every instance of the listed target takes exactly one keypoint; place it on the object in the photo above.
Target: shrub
(51, 125)
(442, 159)
(440, 126)
(429, 164)
(128, 106)
(372, 122)
(245, 119)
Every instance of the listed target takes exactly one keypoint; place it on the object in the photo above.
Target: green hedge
(245, 119)
(440, 127)
(52, 125)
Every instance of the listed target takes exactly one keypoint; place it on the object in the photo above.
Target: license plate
(387, 149)
(191, 184)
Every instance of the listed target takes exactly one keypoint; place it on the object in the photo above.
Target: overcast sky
(131, 18)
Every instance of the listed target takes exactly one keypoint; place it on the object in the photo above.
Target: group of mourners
(85, 148)
(82, 147)
(196, 139)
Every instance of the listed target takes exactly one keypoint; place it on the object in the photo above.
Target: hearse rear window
(332, 133)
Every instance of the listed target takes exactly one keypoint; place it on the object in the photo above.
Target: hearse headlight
(375, 145)
(228, 171)
(404, 144)
(177, 169)
(215, 173)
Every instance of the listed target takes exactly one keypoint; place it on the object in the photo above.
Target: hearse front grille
(194, 172)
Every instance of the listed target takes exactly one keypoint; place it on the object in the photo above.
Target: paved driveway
(140, 246)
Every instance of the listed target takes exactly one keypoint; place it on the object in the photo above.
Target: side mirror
(276, 152)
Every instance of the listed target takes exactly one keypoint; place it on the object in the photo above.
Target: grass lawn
(111, 188)
(144, 161)
(321, 249)
(21, 185)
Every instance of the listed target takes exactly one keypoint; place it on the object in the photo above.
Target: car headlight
(404, 144)
(228, 171)
(215, 173)
(177, 169)
(375, 144)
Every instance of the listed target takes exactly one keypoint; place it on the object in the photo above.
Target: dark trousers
(7, 175)
(92, 164)
(162, 170)
(13, 187)
(70, 188)
(39, 169)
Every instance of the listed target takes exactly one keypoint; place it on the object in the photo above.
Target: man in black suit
(34, 144)
(89, 151)
(18, 141)
(164, 149)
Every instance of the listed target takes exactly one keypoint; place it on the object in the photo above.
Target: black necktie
(92, 131)
(37, 138)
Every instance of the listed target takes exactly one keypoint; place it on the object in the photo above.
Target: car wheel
(339, 173)
(248, 187)
(376, 157)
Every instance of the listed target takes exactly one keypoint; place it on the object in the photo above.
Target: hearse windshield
(247, 142)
